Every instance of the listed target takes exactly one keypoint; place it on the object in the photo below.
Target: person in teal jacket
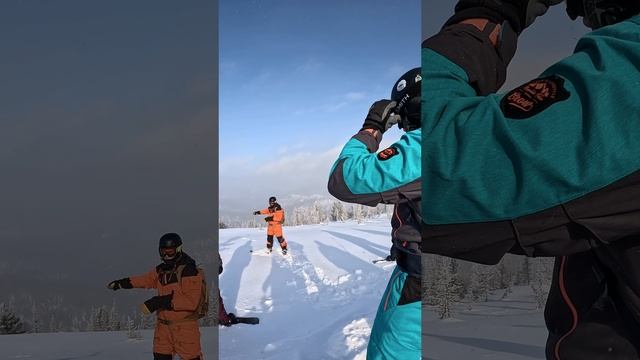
(391, 176)
(550, 168)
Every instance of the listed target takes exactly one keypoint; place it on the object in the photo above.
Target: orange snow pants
(274, 228)
(182, 338)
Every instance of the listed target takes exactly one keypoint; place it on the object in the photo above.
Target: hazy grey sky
(108, 137)
(549, 39)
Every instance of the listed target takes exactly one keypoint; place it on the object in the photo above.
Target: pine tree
(99, 319)
(524, 275)
(337, 211)
(147, 322)
(542, 270)
(358, 213)
(113, 320)
(35, 319)
(10, 323)
(503, 275)
(446, 288)
(480, 282)
(76, 324)
(316, 213)
(52, 323)
(133, 330)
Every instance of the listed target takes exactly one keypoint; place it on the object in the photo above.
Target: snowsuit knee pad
(397, 329)
(282, 241)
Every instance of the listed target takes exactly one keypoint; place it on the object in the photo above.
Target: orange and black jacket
(186, 293)
(276, 214)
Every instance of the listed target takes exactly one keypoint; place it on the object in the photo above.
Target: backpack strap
(179, 271)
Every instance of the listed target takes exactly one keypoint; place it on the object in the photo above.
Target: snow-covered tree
(147, 322)
(133, 331)
(10, 323)
(479, 286)
(357, 212)
(36, 326)
(338, 213)
(446, 288)
(524, 274)
(113, 319)
(502, 275)
(541, 272)
(98, 322)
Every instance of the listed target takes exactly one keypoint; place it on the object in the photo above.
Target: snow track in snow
(316, 302)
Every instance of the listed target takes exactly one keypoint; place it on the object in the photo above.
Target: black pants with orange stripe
(593, 308)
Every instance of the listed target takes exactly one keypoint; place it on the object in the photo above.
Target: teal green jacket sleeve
(569, 132)
(362, 176)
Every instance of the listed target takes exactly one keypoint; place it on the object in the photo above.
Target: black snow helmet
(406, 93)
(170, 241)
(272, 199)
(599, 13)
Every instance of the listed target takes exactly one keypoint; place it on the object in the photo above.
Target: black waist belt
(409, 262)
(192, 317)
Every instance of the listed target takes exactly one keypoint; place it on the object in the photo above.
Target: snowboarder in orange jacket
(179, 284)
(274, 224)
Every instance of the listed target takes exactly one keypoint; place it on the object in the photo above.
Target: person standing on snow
(391, 176)
(274, 224)
(180, 284)
(551, 168)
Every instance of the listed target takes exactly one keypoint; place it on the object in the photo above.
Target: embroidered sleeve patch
(533, 97)
(387, 153)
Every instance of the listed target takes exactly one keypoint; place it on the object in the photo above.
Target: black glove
(380, 116)
(257, 212)
(519, 13)
(120, 284)
(157, 303)
(268, 218)
(230, 320)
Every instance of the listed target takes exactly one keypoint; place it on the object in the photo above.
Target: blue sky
(296, 81)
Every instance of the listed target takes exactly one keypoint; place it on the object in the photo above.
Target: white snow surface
(316, 303)
(509, 328)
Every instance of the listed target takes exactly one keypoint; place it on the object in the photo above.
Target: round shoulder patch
(533, 97)
(387, 153)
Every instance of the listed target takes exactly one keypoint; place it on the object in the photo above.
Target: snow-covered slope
(509, 328)
(318, 302)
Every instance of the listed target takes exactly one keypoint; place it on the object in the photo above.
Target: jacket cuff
(368, 139)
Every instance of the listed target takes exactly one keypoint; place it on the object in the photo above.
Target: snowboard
(267, 253)
(381, 260)
(247, 320)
